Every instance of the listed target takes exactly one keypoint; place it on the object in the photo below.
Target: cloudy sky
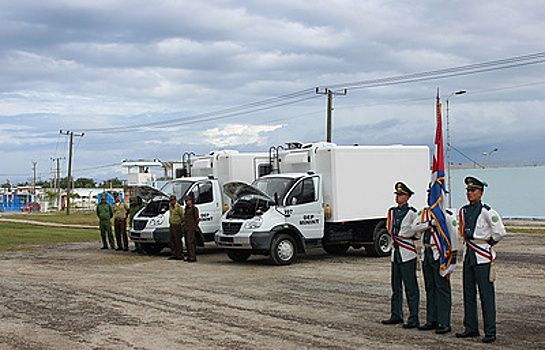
(155, 79)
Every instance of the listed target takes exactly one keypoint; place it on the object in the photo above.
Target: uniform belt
(479, 241)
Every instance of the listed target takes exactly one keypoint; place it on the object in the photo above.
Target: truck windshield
(272, 185)
(177, 188)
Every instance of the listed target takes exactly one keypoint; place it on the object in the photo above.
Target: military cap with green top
(472, 183)
(401, 188)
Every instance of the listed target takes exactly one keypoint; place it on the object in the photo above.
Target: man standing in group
(437, 282)
(105, 214)
(191, 227)
(481, 227)
(121, 211)
(401, 225)
(136, 204)
(176, 219)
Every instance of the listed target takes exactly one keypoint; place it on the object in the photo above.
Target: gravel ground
(76, 296)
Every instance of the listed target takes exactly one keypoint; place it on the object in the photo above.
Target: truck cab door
(210, 209)
(303, 205)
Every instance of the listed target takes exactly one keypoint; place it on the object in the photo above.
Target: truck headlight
(254, 223)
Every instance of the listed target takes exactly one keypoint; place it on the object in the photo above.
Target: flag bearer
(401, 220)
(481, 227)
(436, 279)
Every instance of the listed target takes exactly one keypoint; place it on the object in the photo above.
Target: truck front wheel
(382, 242)
(151, 249)
(283, 249)
(336, 248)
(238, 256)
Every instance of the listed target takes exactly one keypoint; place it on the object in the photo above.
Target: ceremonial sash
(472, 245)
(405, 244)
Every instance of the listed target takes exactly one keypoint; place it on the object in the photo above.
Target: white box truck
(205, 176)
(330, 196)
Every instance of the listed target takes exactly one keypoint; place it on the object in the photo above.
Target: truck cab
(278, 215)
(150, 225)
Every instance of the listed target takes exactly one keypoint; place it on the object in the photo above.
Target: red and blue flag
(436, 199)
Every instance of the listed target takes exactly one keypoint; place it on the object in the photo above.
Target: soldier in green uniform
(481, 227)
(191, 226)
(401, 225)
(438, 291)
(105, 214)
(121, 211)
(136, 204)
(175, 232)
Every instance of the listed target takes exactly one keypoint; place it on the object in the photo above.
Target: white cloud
(238, 134)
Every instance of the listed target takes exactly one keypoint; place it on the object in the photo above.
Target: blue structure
(13, 202)
(110, 197)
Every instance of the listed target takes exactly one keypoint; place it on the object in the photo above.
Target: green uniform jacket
(120, 210)
(176, 214)
(105, 212)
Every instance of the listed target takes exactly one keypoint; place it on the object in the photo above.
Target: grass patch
(75, 217)
(525, 230)
(21, 236)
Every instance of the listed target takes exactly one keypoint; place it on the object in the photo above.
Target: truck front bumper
(257, 241)
(157, 235)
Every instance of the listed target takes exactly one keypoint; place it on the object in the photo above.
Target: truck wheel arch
(382, 241)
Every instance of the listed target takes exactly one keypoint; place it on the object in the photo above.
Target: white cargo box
(359, 180)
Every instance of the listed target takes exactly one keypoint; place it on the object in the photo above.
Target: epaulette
(486, 206)
(413, 209)
(448, 211)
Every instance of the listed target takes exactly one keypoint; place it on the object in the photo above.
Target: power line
(302, 95)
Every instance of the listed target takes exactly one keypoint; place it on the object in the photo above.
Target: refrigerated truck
(150, 225)
(334, 197)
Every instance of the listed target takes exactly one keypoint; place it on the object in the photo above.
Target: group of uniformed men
(182, 224)
(480, 227)
(120, 211)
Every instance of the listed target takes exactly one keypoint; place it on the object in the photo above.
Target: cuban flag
(436, 199)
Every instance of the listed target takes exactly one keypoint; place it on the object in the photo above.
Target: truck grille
(231, 228)
(139, 224)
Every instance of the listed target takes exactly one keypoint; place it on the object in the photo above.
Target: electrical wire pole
(330, 94)
(34, 187)
(69, 185)
(58, 181)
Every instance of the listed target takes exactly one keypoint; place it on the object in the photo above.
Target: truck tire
(336, 248)
(151, 249)
(283, 249)
(238, 256)
(382, 242)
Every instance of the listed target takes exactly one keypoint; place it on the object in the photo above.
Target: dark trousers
(175, 237)
(106, 233)
(120, 226)
(438, 292)
(477, 275)
(405, 274)
(190, 244)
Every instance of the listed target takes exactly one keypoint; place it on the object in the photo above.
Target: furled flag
(436, 200)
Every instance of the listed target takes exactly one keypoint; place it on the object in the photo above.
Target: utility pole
(34, 187)
(69, 184)
(330, 94)
(58, 181)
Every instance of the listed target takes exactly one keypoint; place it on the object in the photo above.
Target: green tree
(114, 183)
(84, 182)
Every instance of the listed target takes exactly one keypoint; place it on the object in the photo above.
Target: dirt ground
(76, 296)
